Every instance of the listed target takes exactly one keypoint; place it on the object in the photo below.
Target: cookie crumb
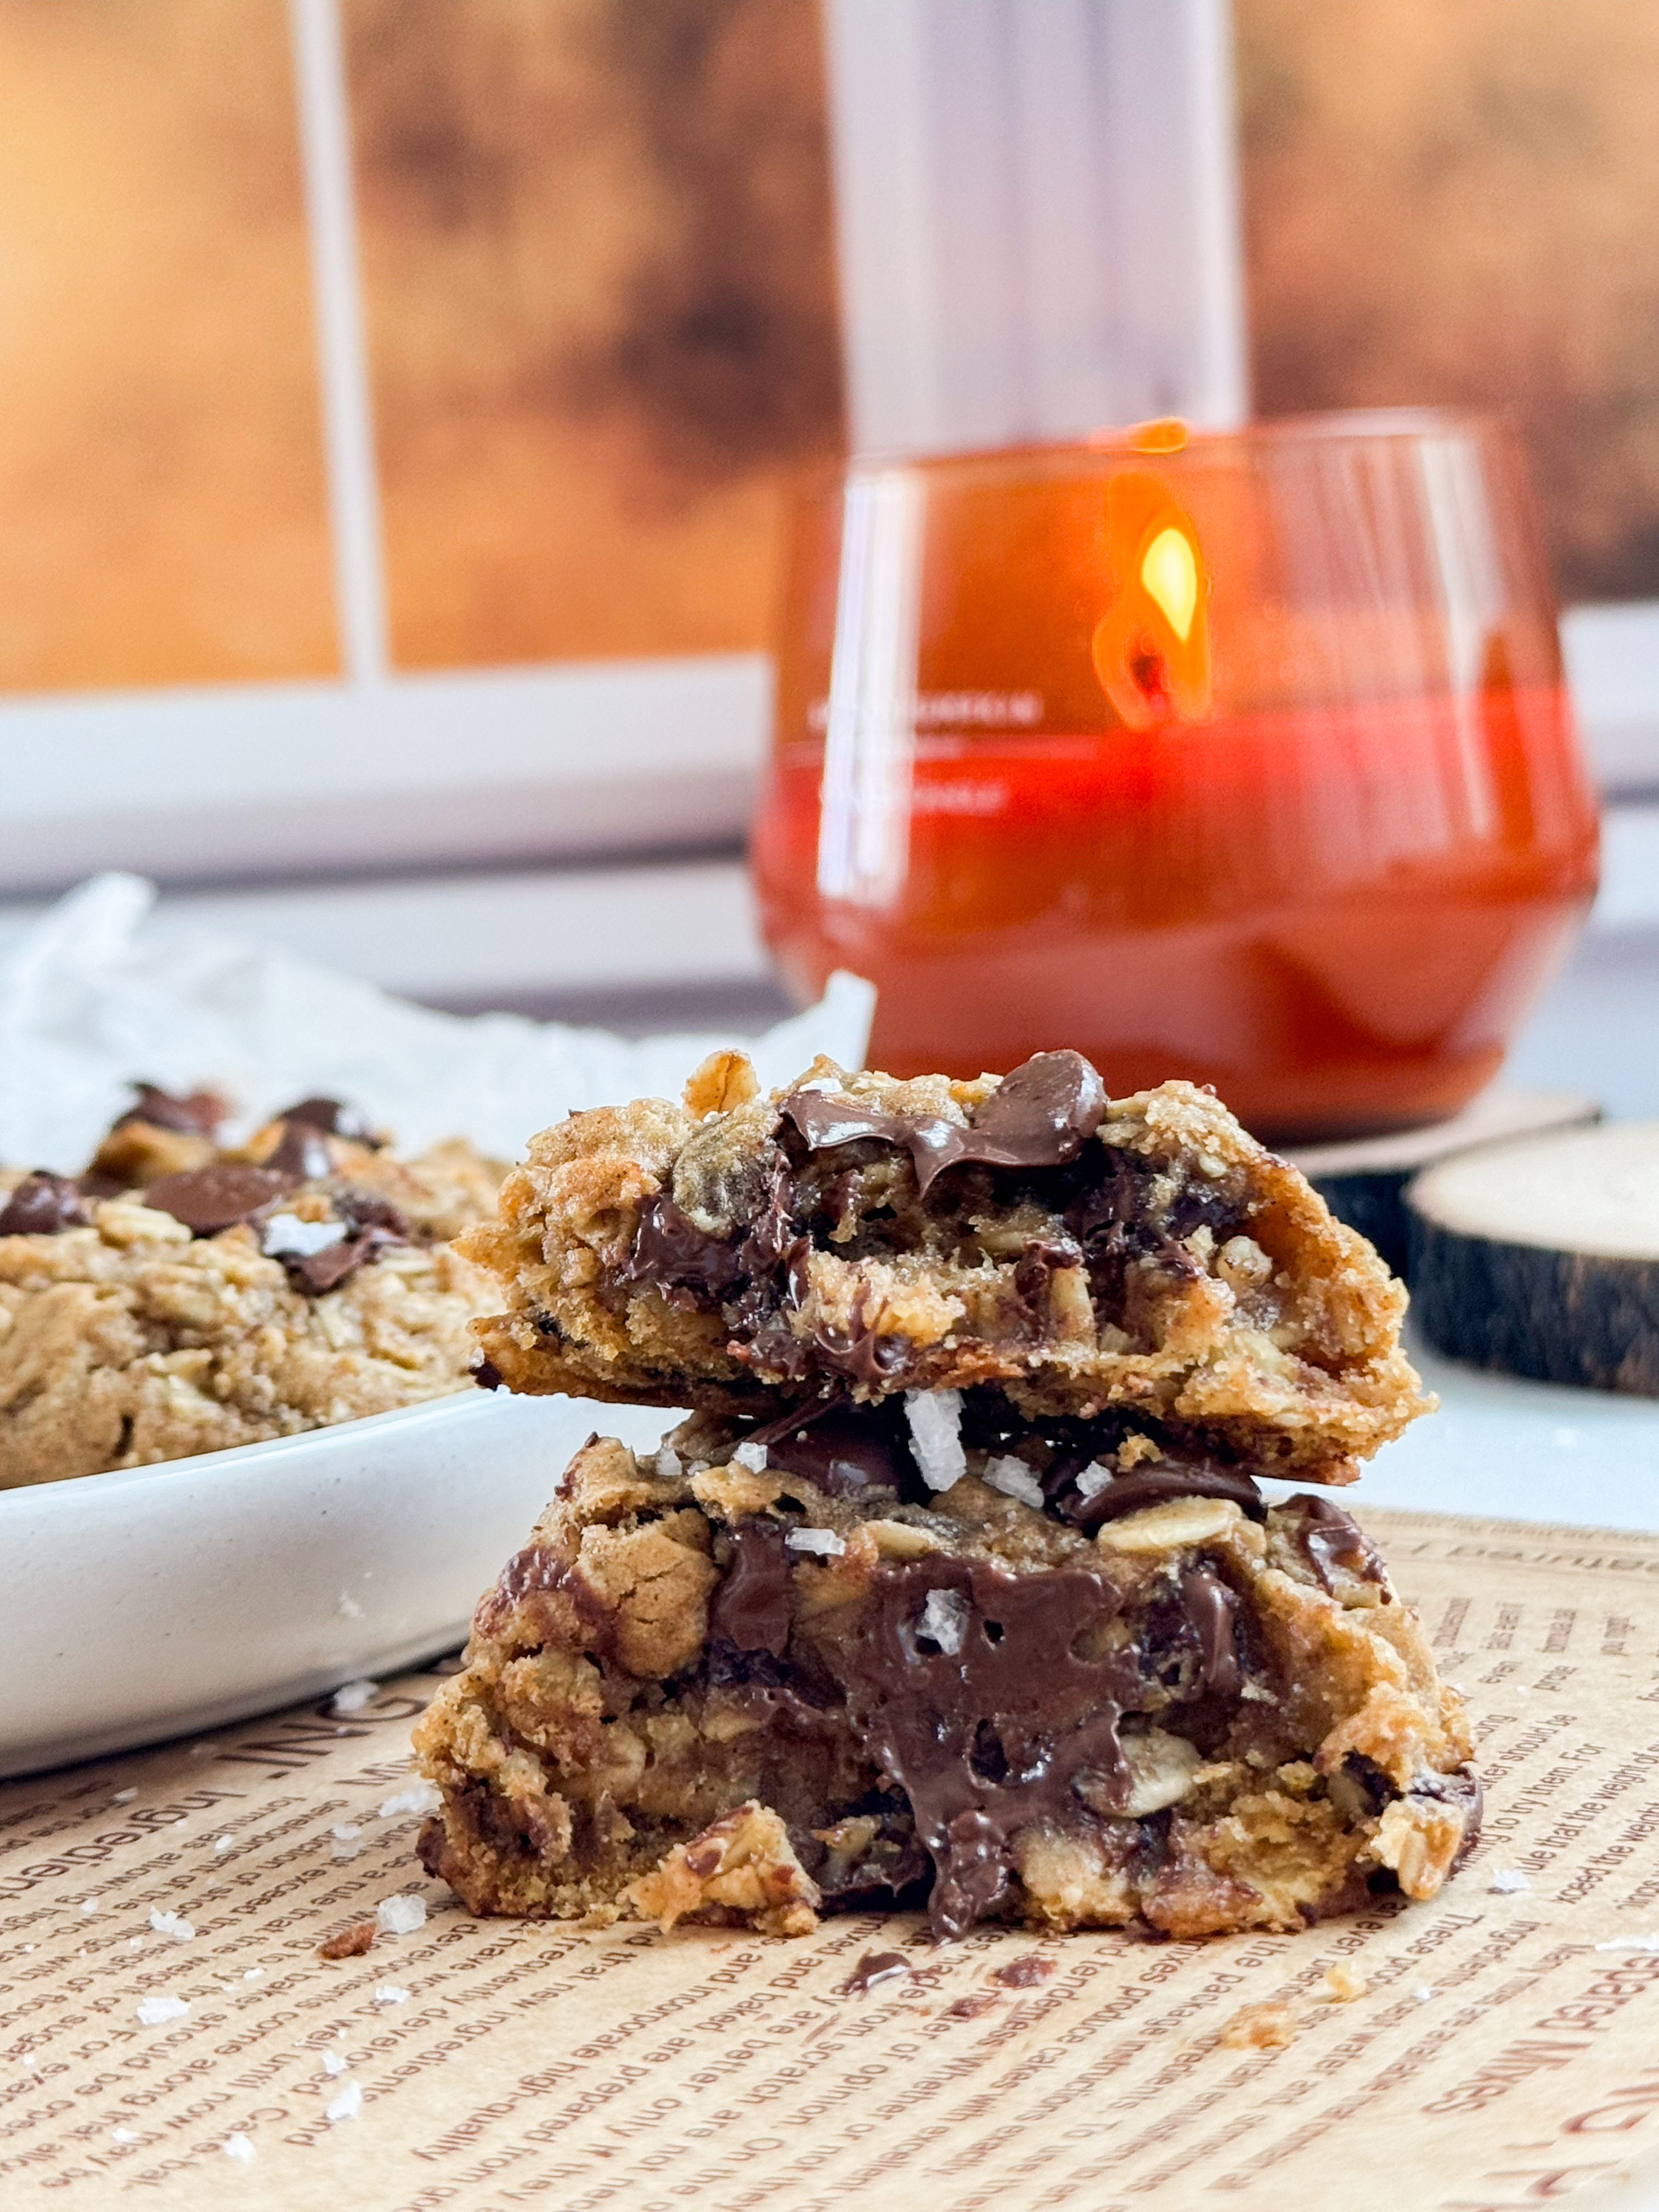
(1344, 1983)
(349, 1943)
(1259, 2027)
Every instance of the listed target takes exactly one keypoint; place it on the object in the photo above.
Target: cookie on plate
(180, 1297)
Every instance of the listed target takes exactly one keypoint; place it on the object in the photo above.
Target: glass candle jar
(1243, 756)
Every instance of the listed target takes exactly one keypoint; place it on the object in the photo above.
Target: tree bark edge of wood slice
(1556, 1309)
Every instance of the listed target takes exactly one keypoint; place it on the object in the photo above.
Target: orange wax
(1335, 915)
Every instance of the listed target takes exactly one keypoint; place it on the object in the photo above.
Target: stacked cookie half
(960, 1585)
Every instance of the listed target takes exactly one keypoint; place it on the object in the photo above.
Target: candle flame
(1151, 649)
(1170, 572)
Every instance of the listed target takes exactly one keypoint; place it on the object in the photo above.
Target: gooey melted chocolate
(993, 1735)
(1039, 1117)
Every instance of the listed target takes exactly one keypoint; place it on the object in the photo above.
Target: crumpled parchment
(103, 991)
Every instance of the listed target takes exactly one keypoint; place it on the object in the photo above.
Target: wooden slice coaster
(1542, 1257)
(1363, 1180)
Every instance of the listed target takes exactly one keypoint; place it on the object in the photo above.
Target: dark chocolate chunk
(754, 1608)
(42, 1205)
(873, 1968)
(670, 1252)
(841, 1448)
(862, 1353)
(198, 1113)
(1154, 1486)
(538, 1570)
(1329, 1538)
(1213, 1610)
(1040, 1116)
(301, 1153)
(208, 1199)
(333, 1118)
(487, 1374)
(1462, 1791)
(991, 1734)
(370, 1224)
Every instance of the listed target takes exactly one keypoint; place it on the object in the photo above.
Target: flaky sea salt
(1422, 1992)
(1630, 1943)
(169, 1924)
(945, 1620)
(349, 1607)
(238, 2147)
(152, 2011)
(346, 2106)
(352, 1697)
(123, 2135)
(124, 1797)
(286, 1235)
(388, 1993)
(1014, 1480)
(667, 1464)
(419, 1797)
(90, 1904)
(822, 1541)
(1508, 1881)
(1093, 1479)
(332, 2063)
(753, 1456)
(223, 1843)
(935, 1418)
(400, 1915)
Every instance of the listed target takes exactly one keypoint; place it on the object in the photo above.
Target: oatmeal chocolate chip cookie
(1080, 1254)
(217, 1298)
(767, 1672)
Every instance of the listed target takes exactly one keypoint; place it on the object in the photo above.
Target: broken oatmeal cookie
(1139, 1260)
(775, 1668)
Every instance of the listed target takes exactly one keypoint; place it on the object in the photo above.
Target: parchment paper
(1505, 2051)
(102, 991)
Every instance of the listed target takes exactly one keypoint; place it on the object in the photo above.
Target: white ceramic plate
(142, 1605)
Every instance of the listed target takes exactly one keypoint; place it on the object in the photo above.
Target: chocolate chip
(1154, 1485)
(300, 1151)
(841, 1448)
(42, 1205)
(1213, 1611)
(487, 1374)
(333, 1119)
(754, 1609)
(1328, 1539)
(1040, 1116)
(198, 1113)
(208, 1199)
(670, 1252)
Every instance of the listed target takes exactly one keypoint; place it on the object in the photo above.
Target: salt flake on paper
(1631, 1944)
(419, 1797)
(169, 1924)
(332, 2063)
(238, 2147)
(153, 2011)
(346, 2106)
(388, 1993)
(352, 1697)
(400, 1915)
(1508, 1881)
(123, 2135)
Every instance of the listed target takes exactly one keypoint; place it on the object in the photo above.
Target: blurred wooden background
(596, 240)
